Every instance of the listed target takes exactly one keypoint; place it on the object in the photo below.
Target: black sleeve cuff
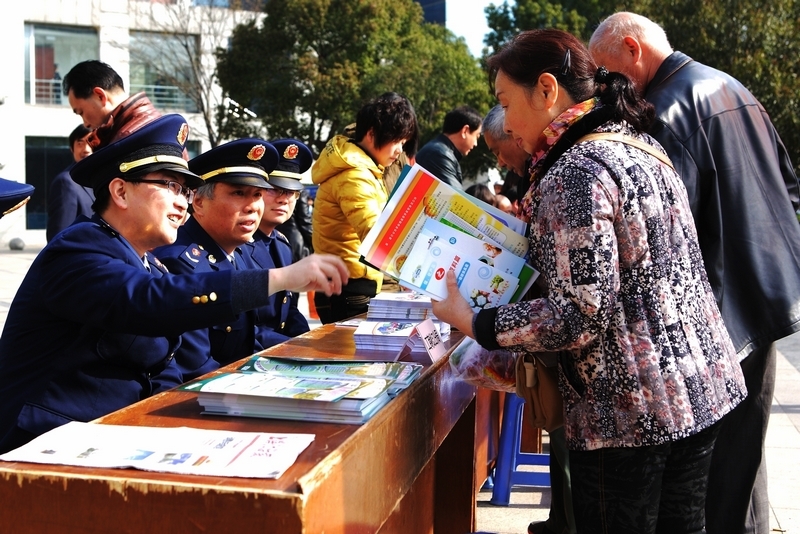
(249, 289)
(483, 328)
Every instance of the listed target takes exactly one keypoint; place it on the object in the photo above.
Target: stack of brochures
(337, 392)
(391, 319)
(406, 305)
(428, 228)
(402, 373)
(393, 334)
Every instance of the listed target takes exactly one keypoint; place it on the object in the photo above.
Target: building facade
(145, 41)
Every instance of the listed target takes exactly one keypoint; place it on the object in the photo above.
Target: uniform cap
(295, 159)
(156, 146)
(242, 162)
(13, 195)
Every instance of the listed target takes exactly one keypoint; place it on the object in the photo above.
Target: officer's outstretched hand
(454, 310)
(317, 272)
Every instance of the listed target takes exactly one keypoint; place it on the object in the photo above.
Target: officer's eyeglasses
(278, 192)
(175, 187)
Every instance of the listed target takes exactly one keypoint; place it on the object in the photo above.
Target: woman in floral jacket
(646, 367)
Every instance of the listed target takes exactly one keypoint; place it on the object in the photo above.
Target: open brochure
(419, 196)
(428, 228)
(183, 450)
(483, 285)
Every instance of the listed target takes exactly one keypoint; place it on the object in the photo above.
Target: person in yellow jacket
(352, 194)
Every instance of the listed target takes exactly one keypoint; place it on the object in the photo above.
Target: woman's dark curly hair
(531, 53)
(392, 118)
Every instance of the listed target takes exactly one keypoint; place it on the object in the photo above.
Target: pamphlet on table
(183, 450)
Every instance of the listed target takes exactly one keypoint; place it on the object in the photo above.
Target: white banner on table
(190, 451)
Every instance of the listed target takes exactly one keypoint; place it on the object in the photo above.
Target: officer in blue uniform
(13, 195)
(280, 319)
(226, 211)
(97, 319)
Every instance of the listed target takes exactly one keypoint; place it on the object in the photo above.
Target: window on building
(51, 51)
(193, 148)
(161, 66)
(45, 157)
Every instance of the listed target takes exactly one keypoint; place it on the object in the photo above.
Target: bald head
(631, 44)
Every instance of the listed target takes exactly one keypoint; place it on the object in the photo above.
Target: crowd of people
(661, 218)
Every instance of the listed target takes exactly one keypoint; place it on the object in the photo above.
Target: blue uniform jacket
(206, 349)
(66, 200)
(280, 319)
(91, 331)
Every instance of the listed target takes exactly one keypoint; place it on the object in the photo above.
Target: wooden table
(411, 468)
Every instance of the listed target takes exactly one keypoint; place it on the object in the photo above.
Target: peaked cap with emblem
(295, 159)
(157, 146)
(13, 195)
(241, 162)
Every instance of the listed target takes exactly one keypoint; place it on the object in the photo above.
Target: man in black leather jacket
(441, 155)
(743, 193)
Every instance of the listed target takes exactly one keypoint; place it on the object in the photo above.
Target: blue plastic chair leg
(509, 456)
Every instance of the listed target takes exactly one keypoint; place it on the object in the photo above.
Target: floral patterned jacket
(644, 355)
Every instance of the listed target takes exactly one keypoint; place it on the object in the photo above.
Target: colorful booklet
(420, 195)
(483, 285)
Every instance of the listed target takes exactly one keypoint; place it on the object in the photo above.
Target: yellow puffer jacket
(350, 198)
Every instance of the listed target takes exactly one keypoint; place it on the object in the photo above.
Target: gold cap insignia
(183, 134)
(291, 152)
(256, 153)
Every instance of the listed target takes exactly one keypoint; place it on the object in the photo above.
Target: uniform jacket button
(204, 299)
(195, 300)
(212, 297)
(227, 328)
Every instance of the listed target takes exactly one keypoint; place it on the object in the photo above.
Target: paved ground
(532, 504)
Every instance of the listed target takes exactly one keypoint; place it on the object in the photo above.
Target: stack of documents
(307, 390)
(405, 305)
(392, 335)
(403, 373)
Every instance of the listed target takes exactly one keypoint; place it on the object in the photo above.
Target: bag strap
(628, 140)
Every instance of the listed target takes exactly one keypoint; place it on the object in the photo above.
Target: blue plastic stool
(509, 457)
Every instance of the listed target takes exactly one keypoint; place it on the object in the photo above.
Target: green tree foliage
(755, 41)
(578, 17)
(307, 68)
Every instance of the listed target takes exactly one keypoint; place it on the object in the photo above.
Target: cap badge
(195, 252)
(183, 134)
(291, 152)
(256, 153)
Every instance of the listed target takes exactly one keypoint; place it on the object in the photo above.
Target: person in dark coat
(225, 214)
(97, 319)
(441, 155)
(97, 95)
(67, 200)
(743, 194)
(280, 319)
(297, 229)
